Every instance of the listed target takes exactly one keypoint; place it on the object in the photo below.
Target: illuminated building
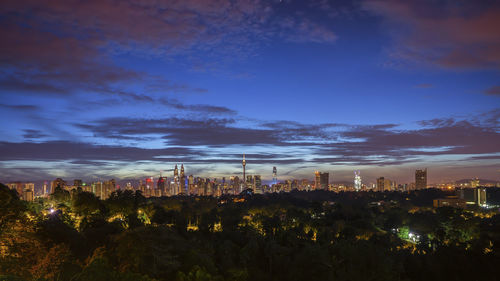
(305, 185)
(321, 180)
(45, 188)
(257, 181)
(250, 182)
(474, 183)
(244, 163)
(235, 184)
(29, 191)
(421, 179)
(182, 186)
(17, 186)
(28, 195)
(450, 201)
(109, 187)
(383, 184)
(25, 191)
(191, 185)
(77, 183)
(471, 196)
(98, 190)
(287, 186)
(175, 186)
(161, 183)
(357, 181)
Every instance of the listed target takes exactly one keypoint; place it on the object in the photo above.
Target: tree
(12, 209)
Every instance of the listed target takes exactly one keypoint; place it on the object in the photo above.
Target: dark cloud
(48, 46)
(441, 137)
(452, 34)
(14, 85)
(200, 142)
(64, 150)
(20, 107)
(33, 134)
(186, 132)
(202, 108)
(487, 157)
(424, 85)
(381, 144)
(213, 131)
(493, 91)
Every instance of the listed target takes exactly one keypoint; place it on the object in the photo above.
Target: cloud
(15, 85)
(65, 150)
(336, 143)
(20, 107)
(493, 91)
(33, 134)
(452, 34)
(201, 108)
(219, 141)
(424, 85)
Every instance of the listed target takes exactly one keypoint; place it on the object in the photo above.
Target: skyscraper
(383, 184)
(257, 181)
(357, 180)
(421, 179)
(57, 183)
(175, 186)
(77, 183)
(183, 181)
(380, 184)
(321, 180)
(275, 175)
(45, 188)
(244, 163)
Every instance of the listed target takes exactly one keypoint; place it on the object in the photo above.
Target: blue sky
(106, 89)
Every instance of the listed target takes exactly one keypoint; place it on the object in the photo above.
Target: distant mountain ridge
(481, 181)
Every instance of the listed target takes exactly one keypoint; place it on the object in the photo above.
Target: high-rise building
(321, 180)
(77, 183)
(98, 190)
(472, 195)
(384, 184)
(29, 192)
(244, 163)
(421, 179)
(57, 183)
(474, 183)
(357, 180)
(257, 181)
(109, 187)
(235, 184)
(161, 183)
(275, 175)
(182, 186)
(45, 188)
(17, 186)
(175, 185)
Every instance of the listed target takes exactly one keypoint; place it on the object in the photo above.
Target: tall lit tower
(183, 180)
(244, 163)
(357, 180)
(176, 181)
(275, 175)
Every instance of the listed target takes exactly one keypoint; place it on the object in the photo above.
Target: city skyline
(96, 90)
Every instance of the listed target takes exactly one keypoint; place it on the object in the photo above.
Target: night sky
(104, 89)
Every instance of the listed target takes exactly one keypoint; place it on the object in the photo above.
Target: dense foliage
(288, 236)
